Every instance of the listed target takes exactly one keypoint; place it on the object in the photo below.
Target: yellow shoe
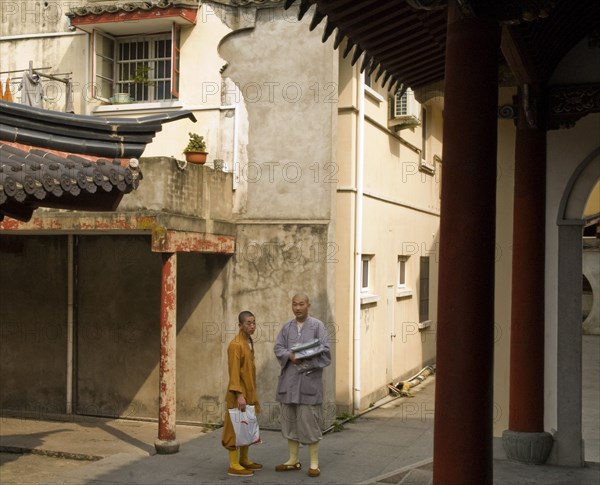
(239, 472)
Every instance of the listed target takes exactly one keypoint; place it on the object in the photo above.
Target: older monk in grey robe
(302, 349)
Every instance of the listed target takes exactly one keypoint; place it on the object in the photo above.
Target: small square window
(365, 273)
(367, 281)
(402, 260)
(402, 288)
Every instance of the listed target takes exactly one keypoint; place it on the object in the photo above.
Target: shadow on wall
(118, 325)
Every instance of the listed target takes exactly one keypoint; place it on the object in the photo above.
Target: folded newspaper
(308, 349)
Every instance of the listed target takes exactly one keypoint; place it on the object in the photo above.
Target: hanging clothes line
(47, 76)
(30, 86)
(21, 70)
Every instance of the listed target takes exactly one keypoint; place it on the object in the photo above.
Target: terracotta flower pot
(196, 157)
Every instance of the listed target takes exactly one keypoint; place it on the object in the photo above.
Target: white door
(391, 333)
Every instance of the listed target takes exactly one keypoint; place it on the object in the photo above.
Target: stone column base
(164, 447)
(532, 448)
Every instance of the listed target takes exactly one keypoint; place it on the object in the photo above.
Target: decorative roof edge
(249, 3)
(98, 9)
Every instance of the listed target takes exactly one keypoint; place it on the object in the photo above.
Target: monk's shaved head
(301, 296)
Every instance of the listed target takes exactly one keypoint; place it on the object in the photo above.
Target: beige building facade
(388, 206)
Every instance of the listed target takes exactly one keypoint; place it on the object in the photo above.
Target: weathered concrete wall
(118, 326)
(33, 323)
(177, 187)
(35, 17)
(287, 77)
(201, 376)
(119, 330)
(284, 202)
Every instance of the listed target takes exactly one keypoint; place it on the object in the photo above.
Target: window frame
(365, 260)
(96, 85)
(174, 35)
(367, 293)
(403, 290)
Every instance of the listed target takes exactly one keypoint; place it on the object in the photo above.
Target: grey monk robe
(301, 384)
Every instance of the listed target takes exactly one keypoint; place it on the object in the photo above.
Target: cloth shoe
(288, 468)
(235, 472)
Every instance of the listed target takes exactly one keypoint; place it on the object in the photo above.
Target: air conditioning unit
(405, 111)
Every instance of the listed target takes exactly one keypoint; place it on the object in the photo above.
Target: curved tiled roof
(69, 161)
(84, 134)
(32, 177)
(115, 7)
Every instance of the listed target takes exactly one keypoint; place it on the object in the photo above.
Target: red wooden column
(167, 442)
(526, 399)
(465, 340)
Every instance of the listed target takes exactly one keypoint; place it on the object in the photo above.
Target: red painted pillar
(525, 440)
(527, 313)
(465, 339)
(166, 442)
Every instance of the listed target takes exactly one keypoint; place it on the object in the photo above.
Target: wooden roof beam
(515, 57)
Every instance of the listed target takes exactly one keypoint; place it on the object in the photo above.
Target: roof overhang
(132, 18)
(405, 40)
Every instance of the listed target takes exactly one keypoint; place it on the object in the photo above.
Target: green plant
(196, 143)
(142, 75)
(338, 424)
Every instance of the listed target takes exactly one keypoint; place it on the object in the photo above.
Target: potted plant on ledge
(195, 151)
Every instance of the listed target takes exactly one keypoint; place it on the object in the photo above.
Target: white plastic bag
(245, 426)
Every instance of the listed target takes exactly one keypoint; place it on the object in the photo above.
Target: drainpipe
(86, 75)
(360, 142)
(236, 145)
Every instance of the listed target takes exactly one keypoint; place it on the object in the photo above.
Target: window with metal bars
(146, 68)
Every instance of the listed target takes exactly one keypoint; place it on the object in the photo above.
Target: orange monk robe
(242, 378)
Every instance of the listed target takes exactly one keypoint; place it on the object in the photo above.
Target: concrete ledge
(531, 448)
